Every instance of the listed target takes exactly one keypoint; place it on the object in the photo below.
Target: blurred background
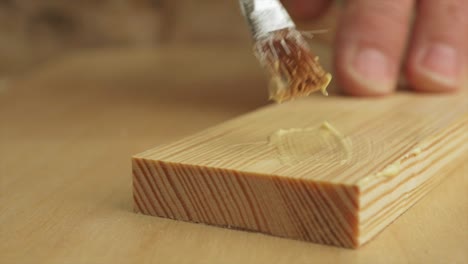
(35, 31)
(147, 71)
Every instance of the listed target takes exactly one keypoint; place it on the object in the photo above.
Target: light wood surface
(67, 132)
(280, 171)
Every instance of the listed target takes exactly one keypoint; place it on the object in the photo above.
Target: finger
(438, 54)
(370, 43)
(306, 9)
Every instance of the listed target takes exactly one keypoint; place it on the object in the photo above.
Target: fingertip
(435, 69)
(353, 86)
(306, 9)
(369, 46)
(365, 71)
(438, 58)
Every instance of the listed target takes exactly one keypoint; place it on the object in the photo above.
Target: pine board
(333, 171)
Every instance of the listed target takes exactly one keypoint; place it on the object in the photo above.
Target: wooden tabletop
(68, 130)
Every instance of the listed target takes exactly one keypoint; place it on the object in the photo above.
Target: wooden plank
(334, 170)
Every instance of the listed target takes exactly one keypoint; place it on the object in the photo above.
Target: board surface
(328, 170)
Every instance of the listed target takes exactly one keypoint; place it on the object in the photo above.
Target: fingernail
(373, 69)
(441, 62)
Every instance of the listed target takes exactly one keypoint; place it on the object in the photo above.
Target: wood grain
(68, 129)
(277, 171)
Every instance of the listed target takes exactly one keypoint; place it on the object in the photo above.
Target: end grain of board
(231, 176)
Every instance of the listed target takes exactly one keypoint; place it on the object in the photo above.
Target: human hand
(372, 36)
